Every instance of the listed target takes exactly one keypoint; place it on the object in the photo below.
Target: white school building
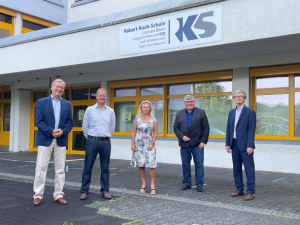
(157, 50)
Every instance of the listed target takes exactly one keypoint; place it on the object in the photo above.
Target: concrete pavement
(277, 198)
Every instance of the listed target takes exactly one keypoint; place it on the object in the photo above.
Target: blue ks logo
(209, 27)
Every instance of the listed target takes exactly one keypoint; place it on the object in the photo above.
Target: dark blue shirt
(189, 117)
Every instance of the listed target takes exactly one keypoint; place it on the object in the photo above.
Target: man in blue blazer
(240, 138)
(53, 117)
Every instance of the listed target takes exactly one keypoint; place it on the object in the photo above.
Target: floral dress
(143, 157)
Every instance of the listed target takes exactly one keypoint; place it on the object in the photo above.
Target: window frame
(166, 81)
(278, 71)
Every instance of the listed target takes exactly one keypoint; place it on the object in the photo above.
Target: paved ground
(277, 198)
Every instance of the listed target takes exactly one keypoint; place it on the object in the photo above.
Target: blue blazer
(245, 129)
(45, 121)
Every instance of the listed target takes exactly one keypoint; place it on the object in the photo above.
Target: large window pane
(5, 18)
(93, 93)
(125, 92)
(297, 114)
(78, 141)
(6, 117)
(80, 94)
(272, 82)
(38, 95)
(158, 90)
(297, 81)
(203, 87)
(34, 139)
(217, 109)
(175, 104)
(7, 95)
(78, 113)
(67, 94)
(125, 114)
(33, 26)
(158, 114)
(272, 114)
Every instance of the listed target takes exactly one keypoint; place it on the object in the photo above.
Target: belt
(234, 139)
(99, 138)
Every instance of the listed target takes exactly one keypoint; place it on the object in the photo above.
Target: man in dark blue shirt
(192, 129)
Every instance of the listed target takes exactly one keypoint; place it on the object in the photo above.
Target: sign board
(80, 114)
(184, 28)
(126, 116)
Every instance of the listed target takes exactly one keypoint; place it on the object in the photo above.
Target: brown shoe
(237, 193)
(36, 201)
(249, 197)
(83, 196)
(61, 201)
(106, 195)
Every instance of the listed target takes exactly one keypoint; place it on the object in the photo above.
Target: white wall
(103, 7)
(267, 157)
(19, 120)
(102, 44)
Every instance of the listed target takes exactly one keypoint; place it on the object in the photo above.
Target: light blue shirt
(99, 122)
(238, 112)
(56, 107)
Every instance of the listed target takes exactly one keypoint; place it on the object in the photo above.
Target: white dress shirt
(99, 122)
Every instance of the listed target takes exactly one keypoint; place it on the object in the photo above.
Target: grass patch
(103, 210)
(65, 223)
(120, 217)
(28, 181)
(120, 198)
(95, 203)
(132, 222)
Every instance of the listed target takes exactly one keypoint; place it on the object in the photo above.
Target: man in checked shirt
(99, 122)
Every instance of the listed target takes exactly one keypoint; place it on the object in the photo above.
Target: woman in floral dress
(143, 138)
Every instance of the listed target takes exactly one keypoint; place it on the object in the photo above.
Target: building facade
(159, 51)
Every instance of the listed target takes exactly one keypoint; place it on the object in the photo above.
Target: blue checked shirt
(237, 116)
(56, 107)
(99, 122)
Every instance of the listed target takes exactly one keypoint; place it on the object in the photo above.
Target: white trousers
(43, 158)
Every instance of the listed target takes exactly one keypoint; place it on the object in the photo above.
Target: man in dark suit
(240, 138)
(192, 129)
(53, 117)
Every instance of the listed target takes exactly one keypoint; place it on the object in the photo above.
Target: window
(211, 94)
(38, 95)
(32, 26)
(216, 105)
(6, 25)
(125, 92)
(6, 18)
(276, 100)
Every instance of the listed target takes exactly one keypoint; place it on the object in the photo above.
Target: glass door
(77, 139)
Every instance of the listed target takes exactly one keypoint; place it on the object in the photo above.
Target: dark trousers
(186, 157)
(92, 148)
(239, 158)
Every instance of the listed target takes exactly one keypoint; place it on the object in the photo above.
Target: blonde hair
(140, 109)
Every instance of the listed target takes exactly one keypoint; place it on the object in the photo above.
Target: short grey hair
(240, 92)
(188, 97)
(101, 89)
(58, 80)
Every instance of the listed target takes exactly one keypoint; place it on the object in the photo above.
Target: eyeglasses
(189, 102)
(239, 96)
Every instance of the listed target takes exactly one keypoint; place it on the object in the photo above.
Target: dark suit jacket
(199, 129)
(45, 121)
(245, 129)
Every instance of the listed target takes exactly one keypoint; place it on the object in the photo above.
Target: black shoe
(185, 187)
(199, 189)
